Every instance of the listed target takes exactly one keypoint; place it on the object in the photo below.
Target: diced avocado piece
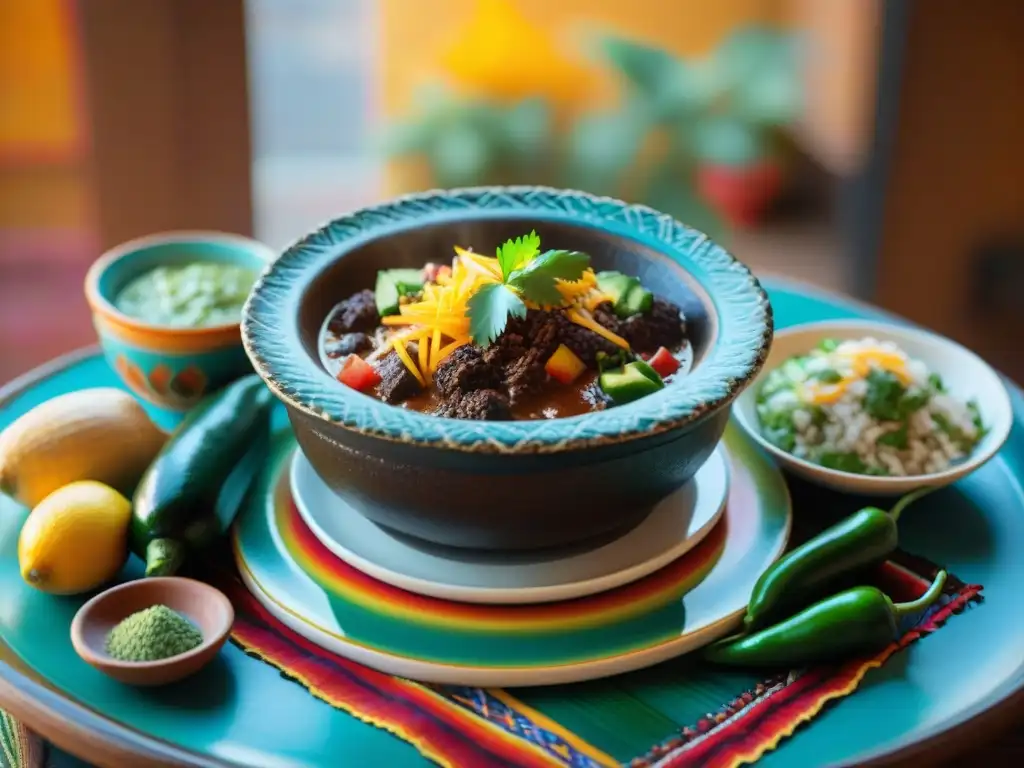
(393, 284)
(645, 368)
(608, 280)
(627, 384)
(638, 301)
(616, 285)
(407, 280)
(385, 294)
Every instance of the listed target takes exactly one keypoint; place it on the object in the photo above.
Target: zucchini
(190, 494)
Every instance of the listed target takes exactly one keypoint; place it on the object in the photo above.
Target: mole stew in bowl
(526, 334)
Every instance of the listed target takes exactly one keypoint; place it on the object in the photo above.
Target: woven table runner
(637, 720)
(591, 724)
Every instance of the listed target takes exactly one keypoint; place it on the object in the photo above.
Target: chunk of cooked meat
(663, 326)
(526, 375)
(584, 343)
(348, 344)
(506, 349)
(605, 315)
(356, 313)
(464, 370)
(479, 405)
(545, 332)
(521, 351)
(397, 383)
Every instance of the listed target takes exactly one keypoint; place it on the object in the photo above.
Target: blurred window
(311, 73)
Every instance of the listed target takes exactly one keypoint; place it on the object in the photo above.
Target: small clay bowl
(207, 608)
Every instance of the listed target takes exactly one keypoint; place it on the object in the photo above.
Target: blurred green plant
(676, 114)
(723, 108)
(474, 141)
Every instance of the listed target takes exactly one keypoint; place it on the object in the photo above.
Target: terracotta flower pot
(740, 194)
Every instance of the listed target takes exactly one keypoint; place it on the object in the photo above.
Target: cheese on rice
(865, 406)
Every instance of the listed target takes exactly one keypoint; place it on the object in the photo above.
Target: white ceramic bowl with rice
(875, 408)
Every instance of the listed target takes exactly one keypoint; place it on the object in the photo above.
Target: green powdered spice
(153, 634)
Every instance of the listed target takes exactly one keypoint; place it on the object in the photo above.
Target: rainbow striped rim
(612, 607)
(681, 607)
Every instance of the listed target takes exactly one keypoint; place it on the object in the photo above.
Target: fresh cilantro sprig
(536, 280)
(517, 253)
(526, 275)
(489, 310)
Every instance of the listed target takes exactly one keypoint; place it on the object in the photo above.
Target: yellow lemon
(75, 539)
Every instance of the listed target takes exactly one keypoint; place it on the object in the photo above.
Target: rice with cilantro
(864, 406)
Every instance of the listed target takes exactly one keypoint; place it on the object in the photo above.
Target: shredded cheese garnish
(825, 394)
(405, 357)
(423, 357)
(439, 320)
(860, 362)
(583, 318)
(594, 298)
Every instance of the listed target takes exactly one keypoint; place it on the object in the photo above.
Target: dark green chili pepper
(805, 574)
(859, 620)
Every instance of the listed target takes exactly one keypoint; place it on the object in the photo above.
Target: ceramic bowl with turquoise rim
(512, 484)
(169, 368)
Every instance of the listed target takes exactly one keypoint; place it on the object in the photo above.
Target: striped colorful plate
(688, 603)
(674, 527)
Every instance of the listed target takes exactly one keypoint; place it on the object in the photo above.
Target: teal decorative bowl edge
(270, 324)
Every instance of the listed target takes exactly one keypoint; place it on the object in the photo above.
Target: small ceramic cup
(169, 368)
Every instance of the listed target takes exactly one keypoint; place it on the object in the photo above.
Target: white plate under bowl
(966, 376)
(673, 528)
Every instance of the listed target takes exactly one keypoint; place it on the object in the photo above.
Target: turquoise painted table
(971, 667)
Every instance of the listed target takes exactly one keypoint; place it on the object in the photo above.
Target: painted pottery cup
(507, 484)
(169, 368)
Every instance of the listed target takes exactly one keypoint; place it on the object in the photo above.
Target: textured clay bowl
(515, 484)
(207, 608)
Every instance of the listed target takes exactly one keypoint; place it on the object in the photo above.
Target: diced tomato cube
(564, 366)
(358, 374)
(664, 362)
(432, 271)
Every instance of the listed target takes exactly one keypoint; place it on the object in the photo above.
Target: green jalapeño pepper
(859, 620)
(806, 574)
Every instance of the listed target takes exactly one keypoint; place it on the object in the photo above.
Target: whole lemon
(75, 539)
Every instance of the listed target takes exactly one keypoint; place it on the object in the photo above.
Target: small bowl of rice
(875, 408)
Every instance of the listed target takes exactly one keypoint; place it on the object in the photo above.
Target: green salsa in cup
(194, 295)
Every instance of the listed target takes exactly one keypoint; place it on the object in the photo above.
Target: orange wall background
(38, 81)
(42, 130)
